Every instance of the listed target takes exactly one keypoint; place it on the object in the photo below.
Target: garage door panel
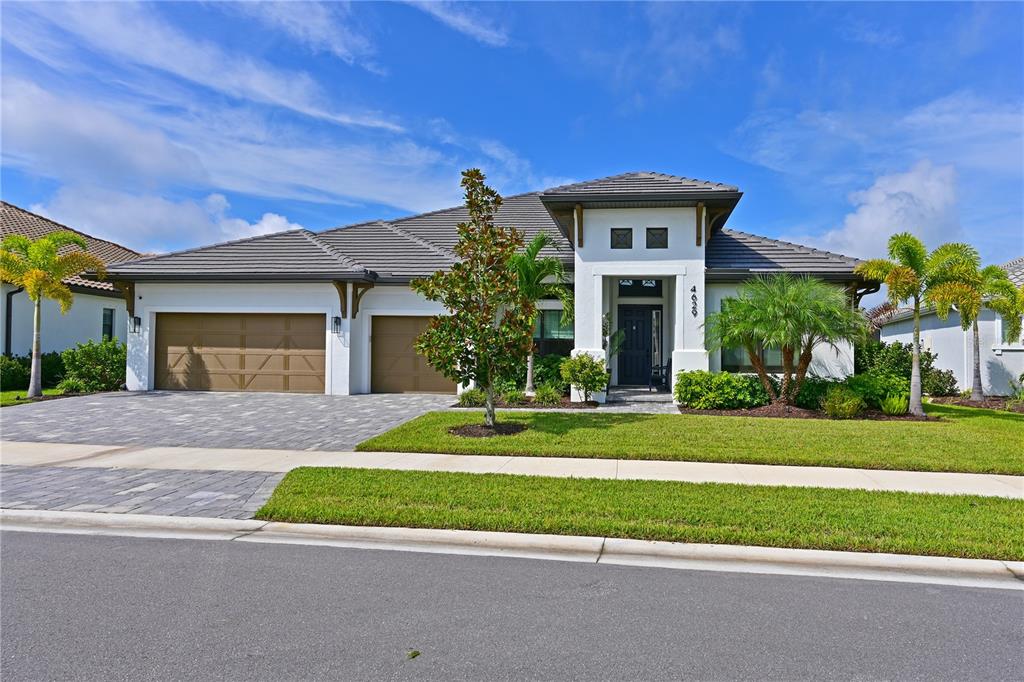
(241, 352)
(395, 366)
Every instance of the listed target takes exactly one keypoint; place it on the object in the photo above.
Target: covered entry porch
(645, 326)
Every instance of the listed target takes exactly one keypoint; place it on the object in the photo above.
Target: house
(99, 307)
(1002, 359)
(332, 312)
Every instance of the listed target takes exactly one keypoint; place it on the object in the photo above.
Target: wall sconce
(336, 324)
(134, 324)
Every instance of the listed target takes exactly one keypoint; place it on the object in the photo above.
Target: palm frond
(909, 251)
(16, 243)
(77, 262)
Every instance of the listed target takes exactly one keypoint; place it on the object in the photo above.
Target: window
(622, 238)
(640, 287)
(549, 326)
(108, 323)
(657, 237)
(737, 360)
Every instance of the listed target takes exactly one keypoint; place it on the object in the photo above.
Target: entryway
(641, 345)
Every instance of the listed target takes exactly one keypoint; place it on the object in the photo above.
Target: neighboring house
(98, 310)
(332, 312)
(1002, 359)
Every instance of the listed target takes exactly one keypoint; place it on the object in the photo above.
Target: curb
(987, 573)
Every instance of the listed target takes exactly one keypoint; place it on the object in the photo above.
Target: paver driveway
(215, 420)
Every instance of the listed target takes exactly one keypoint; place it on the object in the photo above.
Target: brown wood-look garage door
(395, 366)
(240, 352)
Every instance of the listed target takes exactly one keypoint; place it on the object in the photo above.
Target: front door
(636, 356)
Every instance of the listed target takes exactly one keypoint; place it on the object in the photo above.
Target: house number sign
(693, 301)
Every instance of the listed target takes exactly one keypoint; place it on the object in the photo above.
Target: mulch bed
(49, 397)
(566, 404)
(989, 403)
(481, 431)
(789, 412)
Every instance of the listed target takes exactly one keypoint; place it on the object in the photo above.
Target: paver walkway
(171, 492)
(53, 455)
(216, 420)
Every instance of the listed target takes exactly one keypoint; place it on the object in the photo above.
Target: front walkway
(54, 455)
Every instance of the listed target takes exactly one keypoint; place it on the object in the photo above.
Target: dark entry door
(635, 356)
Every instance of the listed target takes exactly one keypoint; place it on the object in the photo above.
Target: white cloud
(320, 26)
(859, 31)
(90, 144)
(152, 223)
(922, 200)
(461, 17)
(133, 33)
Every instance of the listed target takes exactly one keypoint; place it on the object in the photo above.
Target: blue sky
(169, 125)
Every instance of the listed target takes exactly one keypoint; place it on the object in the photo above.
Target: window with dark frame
(108, 323)
(737, 360)
(640, 287)
(549, 326)
(657, 237)
(622, 238)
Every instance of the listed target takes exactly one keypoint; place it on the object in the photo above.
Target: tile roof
(295, 254)
(731, 250)
(16, 220)
(421, 244)
(1015, 270)
(639, 183)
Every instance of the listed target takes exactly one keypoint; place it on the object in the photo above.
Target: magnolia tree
(488, 331)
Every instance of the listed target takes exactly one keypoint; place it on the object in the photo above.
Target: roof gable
(646, 183)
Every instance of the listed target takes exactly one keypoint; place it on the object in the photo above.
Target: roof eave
(242, 276)
(741, 274)
(681, 198)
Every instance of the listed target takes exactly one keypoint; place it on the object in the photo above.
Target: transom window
(657, 237)
(640, 287)
(622, 238)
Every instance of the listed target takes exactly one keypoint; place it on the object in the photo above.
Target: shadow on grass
(563, 423)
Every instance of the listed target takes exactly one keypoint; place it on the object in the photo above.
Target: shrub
(703, 390)
(812, 391)
(98, 366)
(514, 397)
(548, 395)
(52, 365)
(547, 371)
(841, 402)
(13, 374)
(71, 385)
(874, 386)
(939, 382)
(585, 373)
(896, 403)
(473, 397)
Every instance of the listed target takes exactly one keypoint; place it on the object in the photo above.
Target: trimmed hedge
(703, 390)
(96, 366)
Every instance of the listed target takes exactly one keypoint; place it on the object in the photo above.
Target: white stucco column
(589, 309)
(689, 351)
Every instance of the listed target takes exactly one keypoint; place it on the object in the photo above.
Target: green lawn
(968, 439)
(8, 398)
(815, 518)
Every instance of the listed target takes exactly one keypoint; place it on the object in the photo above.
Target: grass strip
(966, 440)
(8, 398)
(810, 518)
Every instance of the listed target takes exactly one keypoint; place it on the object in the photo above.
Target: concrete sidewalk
(207, 459)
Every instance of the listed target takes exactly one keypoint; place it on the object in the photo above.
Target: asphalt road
(85, 607)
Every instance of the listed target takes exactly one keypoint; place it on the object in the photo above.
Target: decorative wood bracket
(579, 225)
(342, 288)
(359, 289)
(128, 292)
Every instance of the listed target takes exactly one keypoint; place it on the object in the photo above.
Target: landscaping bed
(809, 518)
(530, 404)
(989, 403)
(962, 440)
(793, 412)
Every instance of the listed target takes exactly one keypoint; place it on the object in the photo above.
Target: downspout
(8, 319)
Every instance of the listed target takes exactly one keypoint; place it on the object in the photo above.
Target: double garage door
(282, 353)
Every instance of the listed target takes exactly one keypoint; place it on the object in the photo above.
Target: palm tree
(909, 273)
(40, 267)
(968, 287)
(541, 278)
(792, 314)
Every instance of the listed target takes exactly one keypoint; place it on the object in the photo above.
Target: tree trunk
(803, 364)
(530, 391)
(786, 391)
(489, 405)
(976, 391)
(916, 406)
(35, 382)
(769, 387)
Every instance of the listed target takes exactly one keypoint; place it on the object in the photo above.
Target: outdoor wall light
(336, 323)
(135, 324)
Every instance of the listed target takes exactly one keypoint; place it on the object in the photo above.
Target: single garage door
(240, 352)
(395, 366)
